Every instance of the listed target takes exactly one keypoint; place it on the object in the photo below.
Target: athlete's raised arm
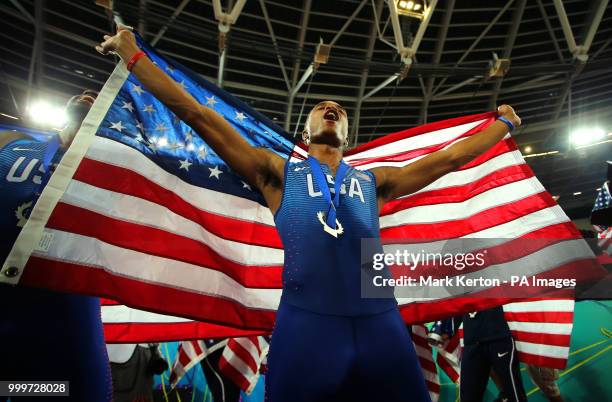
(395, 182)
(258, 166)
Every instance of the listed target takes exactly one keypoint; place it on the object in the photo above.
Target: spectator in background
(222, 388)
(546, 379)
(133, 367)
(488, 346)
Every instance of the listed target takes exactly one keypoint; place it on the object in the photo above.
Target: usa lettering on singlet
(22, 177)
(323, 273)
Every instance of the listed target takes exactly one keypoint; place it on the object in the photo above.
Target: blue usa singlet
(23, 172)
(50, 320)
(322, 273)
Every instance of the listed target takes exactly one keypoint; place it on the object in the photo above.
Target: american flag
(449, 356)
(241, 360)
(426, 361)
(143, 212)
(189, 354)
(604, 233)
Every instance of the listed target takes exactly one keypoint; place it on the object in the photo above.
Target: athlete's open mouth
(87, 98)
(331, 115)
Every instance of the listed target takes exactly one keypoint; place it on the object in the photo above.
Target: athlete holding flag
(328, 341)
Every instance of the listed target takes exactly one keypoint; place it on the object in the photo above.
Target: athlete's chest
(357, 189)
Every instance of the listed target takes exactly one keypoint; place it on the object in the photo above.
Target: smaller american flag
(241, 360)
(603, 202)
(449, 356)
(425, 356)
(190, 353)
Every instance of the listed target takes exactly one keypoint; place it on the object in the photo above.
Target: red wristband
(134, 59)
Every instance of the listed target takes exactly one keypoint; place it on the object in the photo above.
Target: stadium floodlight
(586, 135)
(411, 8)
(45, 114)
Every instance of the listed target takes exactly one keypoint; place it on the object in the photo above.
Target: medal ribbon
(321, 181)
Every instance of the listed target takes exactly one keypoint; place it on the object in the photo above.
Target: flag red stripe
(462, 193)
(453, 343)
(231, 372)
(541, 337)
(166, 332)
(197, 348)
(161, 243)
(428, 365)
(125, 181)
(243, 354)
(42, 272)
(483, 220)
(420, 340)
(432, 386)
(543, 361)
(184, 359)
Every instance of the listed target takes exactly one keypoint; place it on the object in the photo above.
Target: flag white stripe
(497, 196)
(559, 352)
(122, 262)
(419, 141)
(139, 211)
(541, 306)
(114, 153)
(538, 328)
(118, 314)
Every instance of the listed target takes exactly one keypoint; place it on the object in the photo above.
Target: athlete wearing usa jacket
(326, 330)
(46, 335)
